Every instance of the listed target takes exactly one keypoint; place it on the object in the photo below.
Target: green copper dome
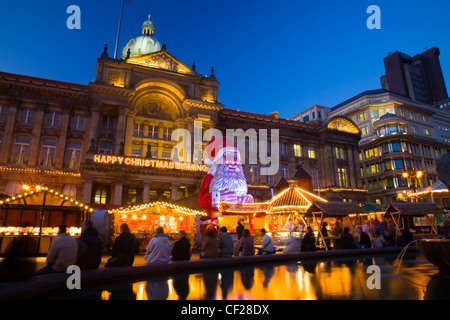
(144, 44)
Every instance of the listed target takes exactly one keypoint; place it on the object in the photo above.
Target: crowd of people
(371, 234)
(86, 251)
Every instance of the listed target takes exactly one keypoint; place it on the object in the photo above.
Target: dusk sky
(283, 55)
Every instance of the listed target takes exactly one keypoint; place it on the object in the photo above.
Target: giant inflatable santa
(225, 180)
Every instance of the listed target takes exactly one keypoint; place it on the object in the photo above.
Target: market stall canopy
(436, 190)
(293, 199)
(335, 209)
(374, 207)
(413, 209)
(42, 196)
(158, 208)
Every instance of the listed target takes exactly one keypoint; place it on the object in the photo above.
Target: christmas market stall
(144, 219)
(35, 214)
(286, 213)
(332, 212)
(422, 216)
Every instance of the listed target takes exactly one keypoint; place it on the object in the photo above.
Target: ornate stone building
(109, 143)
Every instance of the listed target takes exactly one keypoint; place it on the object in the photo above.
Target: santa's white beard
(224, 179)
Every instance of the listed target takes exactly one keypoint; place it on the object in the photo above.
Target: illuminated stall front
(144, 219)
(36, 213)
(319, 212)
(289, 205)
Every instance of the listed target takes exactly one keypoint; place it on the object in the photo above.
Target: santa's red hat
(216, 148)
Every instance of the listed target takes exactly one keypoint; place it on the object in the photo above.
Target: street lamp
(414, 174)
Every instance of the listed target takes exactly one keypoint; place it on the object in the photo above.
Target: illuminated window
(52, 120)
(340, 153)
(167, 134)
(297, 150)
(364, 130)
(284, 171)
(253, 174)
(101, 195)
(107, 122)
(153, 132)
(105, 147)
(311, 153)
(26, 116)
(77, 123)
(282, 148)
(426, 131)
(20, 151)
(48, 151)
(342, 177)
(136, 152)
(361, 117)
(138, 130)
(71, 191)
(73, 155)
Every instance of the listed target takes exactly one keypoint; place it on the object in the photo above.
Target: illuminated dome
(144, 44)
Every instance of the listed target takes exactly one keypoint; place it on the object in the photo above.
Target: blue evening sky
(283, 55)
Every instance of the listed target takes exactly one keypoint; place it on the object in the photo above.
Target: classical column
(120, 132)
(95, 121)
(352, 176)
(146, 192)
(129, 134)
(35, 144)
(174, 192)
(61, 143)
(6, 149)
(118, 188)
(87, 190)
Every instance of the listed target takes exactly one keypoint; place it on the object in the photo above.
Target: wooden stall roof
(293, 198)
(414, 209)
(335, 209)
(158, 208)
(43, 196)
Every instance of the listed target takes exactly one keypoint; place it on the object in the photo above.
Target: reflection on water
(343, 278)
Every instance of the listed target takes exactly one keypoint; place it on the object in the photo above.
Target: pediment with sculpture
(161, 60)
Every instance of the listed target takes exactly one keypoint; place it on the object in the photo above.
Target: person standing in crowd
(325, 234)
(378, 239)
(247, 244)
(62, 253)
(364, 239)
(125, 247)
(226, 243)
(209, 245)
(19, 262)
(181, 248)
(337, 231)
(309, 241)
(266, 244)
(289, 225)
(159, 248)
(239, 229)
(90, 247)
(347, 241)
(293, 244)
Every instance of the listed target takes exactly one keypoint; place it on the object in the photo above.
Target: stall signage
(148, 163)
(244, 207)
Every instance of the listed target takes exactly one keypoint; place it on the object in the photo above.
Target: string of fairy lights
(28, 191)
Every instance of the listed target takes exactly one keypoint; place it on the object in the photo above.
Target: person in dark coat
(240, 229)
(90, 247)
(309, 241)
(124, 248)
(347, 241)
(181, 249)
(364, 239)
